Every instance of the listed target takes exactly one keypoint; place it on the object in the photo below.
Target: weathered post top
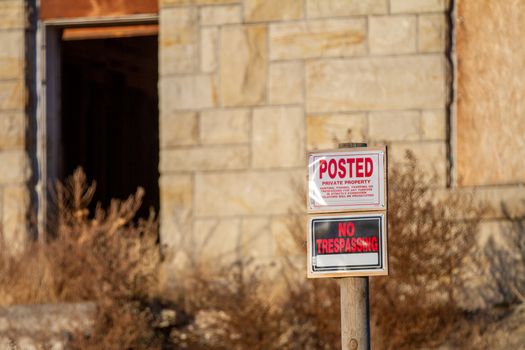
(352, 144)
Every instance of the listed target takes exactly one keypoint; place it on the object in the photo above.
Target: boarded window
(491, 92)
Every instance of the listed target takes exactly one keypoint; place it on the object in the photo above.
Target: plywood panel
(53, 9)
(491, 92)
(105, 32)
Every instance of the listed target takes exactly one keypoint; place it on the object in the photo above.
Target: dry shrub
(251, 304)
(105, 257)
(231, 313)
(430, 238)
(25, 277)
(314, 315)
(228, 312)
(112, 260)
(416, 306)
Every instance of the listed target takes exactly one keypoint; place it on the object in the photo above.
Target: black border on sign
(378, 266)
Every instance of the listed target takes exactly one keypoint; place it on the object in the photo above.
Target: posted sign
(347, 245)
(347, 180)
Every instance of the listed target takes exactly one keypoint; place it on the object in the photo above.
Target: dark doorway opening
(109, 115)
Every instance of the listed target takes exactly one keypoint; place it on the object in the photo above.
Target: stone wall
(14, 169)
(43, 326)
(247, 87)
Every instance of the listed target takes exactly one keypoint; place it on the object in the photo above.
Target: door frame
(48, 92)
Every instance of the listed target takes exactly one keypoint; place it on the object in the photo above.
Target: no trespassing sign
(347, 245)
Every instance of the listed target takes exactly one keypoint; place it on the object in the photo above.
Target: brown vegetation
(103, 256)
(416, 306)
(108, 258)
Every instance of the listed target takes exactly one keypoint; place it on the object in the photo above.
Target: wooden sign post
(355, 316)
(355, 310)
(347, 229)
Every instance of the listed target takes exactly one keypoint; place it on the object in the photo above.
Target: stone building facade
(251, 86)
(247, 87)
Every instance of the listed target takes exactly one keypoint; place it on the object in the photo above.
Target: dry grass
(416, 306)
(108, 258)
(103, 256)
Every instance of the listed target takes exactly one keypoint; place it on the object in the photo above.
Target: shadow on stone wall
(505, 260)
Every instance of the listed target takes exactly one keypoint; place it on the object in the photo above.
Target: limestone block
(243, 65)
(272, 10)
(28, 326)
(14, 167)
(205, 158)
(434, 124)
(187, 92)
(209, 49)
(285, 240)
(418, 6)
(389, 83)
(217, 15)
(12, 130)
(12, 54)
(12, 95)
(328, 130)
(336, 8)
(225, 126)
(432, 31)
(270, 192)
(319, 38)
(217, 239)
(14, 220)
(500, 202)
(492, 230)
(256, 237)
(176, 190)
(177, 129)
(392, 34)
(431, 156)
(176, 198)
(286, 82)
(429, 152)
(178, 40)
(278, 137)
(12, 14)
(394, 126)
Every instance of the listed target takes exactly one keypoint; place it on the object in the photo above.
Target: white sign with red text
(347, 180)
